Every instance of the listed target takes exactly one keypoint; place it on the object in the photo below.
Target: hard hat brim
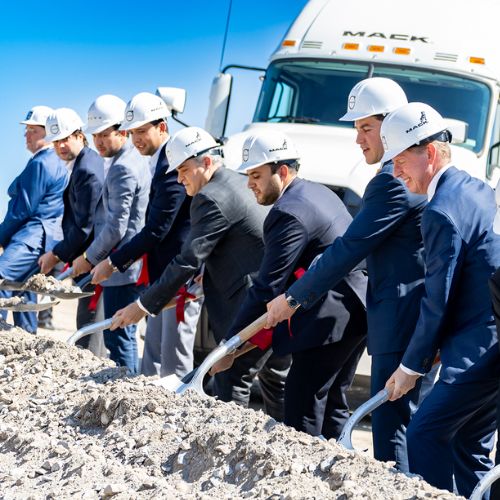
(32, 122)
(244, 168)
(88, 129)
(352, 117)
(58, 137)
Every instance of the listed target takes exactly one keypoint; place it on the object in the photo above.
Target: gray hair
(214, 155)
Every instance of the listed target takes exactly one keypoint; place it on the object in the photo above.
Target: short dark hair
(292, 164)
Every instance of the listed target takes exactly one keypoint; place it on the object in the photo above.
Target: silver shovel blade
(170, 382)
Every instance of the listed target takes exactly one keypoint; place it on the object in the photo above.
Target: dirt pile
(47, 284)
(71, 426)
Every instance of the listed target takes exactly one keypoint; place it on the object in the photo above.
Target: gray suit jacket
(120, 212)
(226, 235)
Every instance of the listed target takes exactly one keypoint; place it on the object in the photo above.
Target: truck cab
(437, 52)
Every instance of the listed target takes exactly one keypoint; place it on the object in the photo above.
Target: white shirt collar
(153, 159)
(43, 148)
(431, 189)
(70, 164)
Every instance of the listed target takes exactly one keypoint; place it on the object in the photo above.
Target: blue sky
(67, 53)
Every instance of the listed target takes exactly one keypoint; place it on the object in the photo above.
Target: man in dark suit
(450, 437)
(386, 232)
(327, 340)
(168, 345)
(225, 236)
(86, 168)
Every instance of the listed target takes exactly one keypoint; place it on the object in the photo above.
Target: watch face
(292, 302)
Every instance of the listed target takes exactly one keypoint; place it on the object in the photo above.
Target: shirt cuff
(142, 308)
(409, 371)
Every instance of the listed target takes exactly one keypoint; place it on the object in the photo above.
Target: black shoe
(46, 324)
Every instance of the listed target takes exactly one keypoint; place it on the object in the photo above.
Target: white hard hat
(144, 108)
(188, 143)
(107, 110)
(374, 96)
(61, 123)
(496, 222)
(37, 115)
(266, 147)
(410, 125)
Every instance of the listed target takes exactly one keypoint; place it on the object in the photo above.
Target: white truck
(443, 53)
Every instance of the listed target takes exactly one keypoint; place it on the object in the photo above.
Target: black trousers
(495, 298)
(315, 400)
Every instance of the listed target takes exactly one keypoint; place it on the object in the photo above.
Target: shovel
(488, 479)
(194, 380)
(104, 325)
(30, 306)
(18, 286)
(367, 407)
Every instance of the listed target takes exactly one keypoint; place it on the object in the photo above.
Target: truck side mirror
(493, 160)
(459, 130)
(174, 98)
(218, 106)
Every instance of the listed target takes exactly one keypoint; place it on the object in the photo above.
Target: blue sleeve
(285, 238)
(385, 206)
(163, 208)
(30, 187)
(443, 249)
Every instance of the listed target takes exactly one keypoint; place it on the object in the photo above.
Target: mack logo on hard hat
(414, 124)
(188, 143)
(266, 147)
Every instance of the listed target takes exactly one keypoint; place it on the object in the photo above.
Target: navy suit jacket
(36, 202)
(80, 201)
(303, 222)
(386, 232)
(461, 253)
(166, 227)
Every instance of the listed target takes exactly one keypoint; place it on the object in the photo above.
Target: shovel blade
(170, 382)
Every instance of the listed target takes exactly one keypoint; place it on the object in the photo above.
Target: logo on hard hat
(54, 129)
(352, 102)
(384, 143)
(29, 115)
(129, 116)
(284, 147)
(246, 154)
(423, 121)
(196, 139)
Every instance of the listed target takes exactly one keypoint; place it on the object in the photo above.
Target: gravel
(73, 426)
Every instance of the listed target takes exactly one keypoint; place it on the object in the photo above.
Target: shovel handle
(247, 333)
(65, 274)
(367, 407)
(84, 282)
(88, 329)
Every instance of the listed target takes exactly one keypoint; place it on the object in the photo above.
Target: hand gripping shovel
(367, 407)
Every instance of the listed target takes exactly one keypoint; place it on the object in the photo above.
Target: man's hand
(127, 316)
(278, 310)
(223, 364)
(47, 262)
(400, 383)
(101, 272)
(81, 266)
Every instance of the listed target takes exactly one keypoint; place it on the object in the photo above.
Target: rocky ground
(71, 426)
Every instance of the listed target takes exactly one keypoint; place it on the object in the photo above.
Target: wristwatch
(293, 304)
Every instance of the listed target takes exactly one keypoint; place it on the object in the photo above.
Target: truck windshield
(315, 92)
